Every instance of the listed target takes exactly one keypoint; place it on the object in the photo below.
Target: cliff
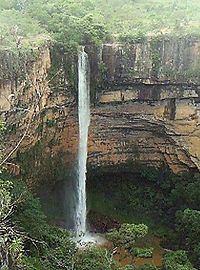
(147, 104)
(144, 108)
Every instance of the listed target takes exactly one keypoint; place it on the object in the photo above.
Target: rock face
(145, 108)
(41, 118)
(147, 105)
(165, 61)
(46, 119)
(164, 131)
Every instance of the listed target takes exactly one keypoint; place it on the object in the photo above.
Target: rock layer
(144, 132)
(145, 108)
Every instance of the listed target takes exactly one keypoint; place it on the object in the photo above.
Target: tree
(188, 232)
(11, 239)
(177, 260)
(127, 235)
(95, 258)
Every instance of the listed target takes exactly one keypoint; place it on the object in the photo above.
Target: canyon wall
(44, 115)
(147, 104)
(144, 108)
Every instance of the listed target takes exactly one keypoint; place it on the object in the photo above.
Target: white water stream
(84, 122)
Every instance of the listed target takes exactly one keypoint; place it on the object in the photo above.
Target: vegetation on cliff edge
(70, 23)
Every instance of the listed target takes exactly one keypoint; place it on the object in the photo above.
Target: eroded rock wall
(45, 116)
(40, 112)
(147, 104)
(144, 132)
(144, 108)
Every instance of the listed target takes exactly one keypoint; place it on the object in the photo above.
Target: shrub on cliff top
(72, 23)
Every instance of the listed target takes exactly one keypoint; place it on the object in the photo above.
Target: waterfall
(84, 121)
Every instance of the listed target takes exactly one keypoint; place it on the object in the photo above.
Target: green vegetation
(27, 241)
(26, 238)
(96, 259)
(148, 267)
(133, 19)
(25, 25)
(50, 123)
(151, 196)
(188, 231)
(71, 23)
(19, 31)
(11, 240)
(177, 260)
(127, 235)
(167, 203)
(142, 252)
(34, 244)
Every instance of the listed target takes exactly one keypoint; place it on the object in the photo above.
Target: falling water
(84, 121)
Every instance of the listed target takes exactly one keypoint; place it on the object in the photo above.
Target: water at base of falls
(84, 121)
(90, 239)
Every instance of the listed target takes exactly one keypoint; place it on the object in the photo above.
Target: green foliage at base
(177, 260)
(147, 267)
(11, 239)
(142, 252)
(33, 244)
(188, 233)
(169, 204)
(149, 192)
(31, 239)
(127, 235)
(95, 259)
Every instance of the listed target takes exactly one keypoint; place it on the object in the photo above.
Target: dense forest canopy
(88, 21)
